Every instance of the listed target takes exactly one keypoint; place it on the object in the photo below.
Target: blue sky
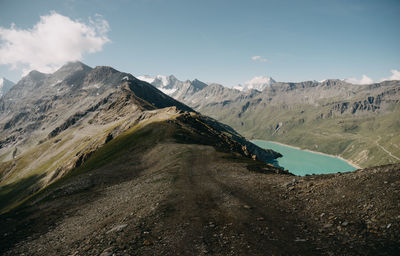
(215, 40)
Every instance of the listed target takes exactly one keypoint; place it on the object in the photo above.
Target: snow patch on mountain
(146, 78)
(258, 83)
(168, 91)
(166, 84)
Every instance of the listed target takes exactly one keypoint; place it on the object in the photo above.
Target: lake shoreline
(311, 151)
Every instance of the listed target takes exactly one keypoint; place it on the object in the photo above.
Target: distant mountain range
(357, 122)
(5, 86)
(170, 84)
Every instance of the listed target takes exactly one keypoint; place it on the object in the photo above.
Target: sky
(223, 41)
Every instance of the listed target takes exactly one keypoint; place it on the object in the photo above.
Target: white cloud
(364, 80)
(257, 83)
(395, 75)
(259, 58)
(260, 80)
(53, 41)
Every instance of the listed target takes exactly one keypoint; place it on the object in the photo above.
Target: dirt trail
(178, 199)
(207, 214)
(384, 149)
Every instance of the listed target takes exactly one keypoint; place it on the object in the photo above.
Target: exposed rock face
(49, 103)
(166, 84)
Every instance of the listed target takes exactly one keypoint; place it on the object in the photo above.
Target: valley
(331, 116)
(199, 128)
(97, 162)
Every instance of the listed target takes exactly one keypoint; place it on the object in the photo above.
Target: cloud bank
(53, 41)
(367, 80)
(364, 80)
(260, 80)
(395, 75)
(258, 58)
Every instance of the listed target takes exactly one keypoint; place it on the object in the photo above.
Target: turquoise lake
(300, 162)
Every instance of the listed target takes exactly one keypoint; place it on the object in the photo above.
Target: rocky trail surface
(188, 199)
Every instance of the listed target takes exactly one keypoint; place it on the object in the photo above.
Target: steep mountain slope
(357, 122)
(43, 105)
(105, 164)
(5, 86)
(52, 123)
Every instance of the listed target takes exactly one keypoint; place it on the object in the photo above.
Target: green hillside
(365, 138)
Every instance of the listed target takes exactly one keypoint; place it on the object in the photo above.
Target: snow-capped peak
(158, 80)
(146, 78)
(166, 84)
(256, 83)
(238, 87)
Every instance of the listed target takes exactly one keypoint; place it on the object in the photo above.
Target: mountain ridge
(331, 116)
(51, 123)
(97, 162)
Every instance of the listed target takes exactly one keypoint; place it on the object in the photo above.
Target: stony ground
(185, 199)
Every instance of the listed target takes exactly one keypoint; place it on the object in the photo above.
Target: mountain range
(357, 122)
(94, 161)
(53, 122)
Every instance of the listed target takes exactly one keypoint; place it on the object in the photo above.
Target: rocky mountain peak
(35, 75)
(172, 78)
(73, 66)
(105, 75)
(105, 69)
(333, 82)
(198, 84)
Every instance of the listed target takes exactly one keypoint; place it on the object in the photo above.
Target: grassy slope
(181, 128)
(352, 137)
(32, 171)
(26, 178)
(173, 197)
